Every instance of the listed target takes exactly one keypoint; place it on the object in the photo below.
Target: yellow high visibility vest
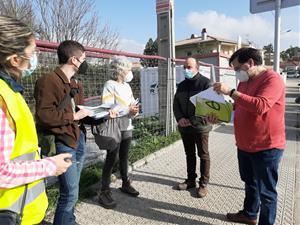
(25, 148)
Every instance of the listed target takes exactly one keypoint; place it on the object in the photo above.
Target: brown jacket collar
(62, 75)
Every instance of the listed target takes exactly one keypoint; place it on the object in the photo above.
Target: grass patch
(89, 176)
(148, 145)
(52, 194)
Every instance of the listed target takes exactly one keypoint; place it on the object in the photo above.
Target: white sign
(149, 87)
(258, 6)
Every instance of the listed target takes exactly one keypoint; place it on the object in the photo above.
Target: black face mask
(83, 68)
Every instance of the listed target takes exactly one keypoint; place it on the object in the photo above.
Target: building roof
(209, 38)
(289, 63)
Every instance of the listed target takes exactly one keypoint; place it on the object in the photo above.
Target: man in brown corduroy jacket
(62, 120)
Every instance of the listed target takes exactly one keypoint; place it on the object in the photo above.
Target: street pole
(173, 69)
(166, 69)
(277, 36)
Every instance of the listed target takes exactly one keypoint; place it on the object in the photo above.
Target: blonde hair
(14, 38)
(117, 65)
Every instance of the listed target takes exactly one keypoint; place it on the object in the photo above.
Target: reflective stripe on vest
(33, 192)
(25, 157)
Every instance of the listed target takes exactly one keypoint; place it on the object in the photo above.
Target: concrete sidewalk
(159, 203)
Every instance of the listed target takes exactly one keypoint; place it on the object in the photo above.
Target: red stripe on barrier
(106, 54)
(92, 98)
(52, 45)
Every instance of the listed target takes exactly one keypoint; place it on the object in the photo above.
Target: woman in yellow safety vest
(21, 169)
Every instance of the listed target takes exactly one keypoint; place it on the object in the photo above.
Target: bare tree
(20, 9)
(60, 20)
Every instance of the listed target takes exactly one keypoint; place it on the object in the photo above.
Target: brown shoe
(202, 191)
(187, 184)
(240, 218)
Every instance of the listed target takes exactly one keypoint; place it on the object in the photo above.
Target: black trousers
(111, 157)
(190, 141)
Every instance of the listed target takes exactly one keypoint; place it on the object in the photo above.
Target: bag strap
(23, 201)
(64, 102)
(67, 98)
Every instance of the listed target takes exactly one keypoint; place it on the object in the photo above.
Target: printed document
(210, 102)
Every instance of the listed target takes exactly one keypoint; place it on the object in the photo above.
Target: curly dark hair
(244, 54)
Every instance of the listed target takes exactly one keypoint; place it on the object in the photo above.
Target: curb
(160, 152)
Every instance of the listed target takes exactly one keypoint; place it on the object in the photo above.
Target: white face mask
(128, 77)
(242, 75)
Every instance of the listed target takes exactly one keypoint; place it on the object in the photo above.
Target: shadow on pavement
(226, 186)
(144, 178)
(157, 174)
(160, 211)
(225, 129)
(152, 179)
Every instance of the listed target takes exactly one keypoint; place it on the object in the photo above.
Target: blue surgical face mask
(188, 74)
(33, 64)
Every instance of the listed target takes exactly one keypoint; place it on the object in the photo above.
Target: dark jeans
(190, 141)
(111, 157)
(259, 171)
(69, 183)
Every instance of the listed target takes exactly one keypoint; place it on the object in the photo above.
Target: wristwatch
(231, 92)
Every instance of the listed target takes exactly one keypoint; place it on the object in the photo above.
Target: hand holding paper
(210, 102)
(221, 88)
(96, 111)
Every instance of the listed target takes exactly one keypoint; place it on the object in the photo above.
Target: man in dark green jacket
(193, 130)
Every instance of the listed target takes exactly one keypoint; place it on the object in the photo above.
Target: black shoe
(187, 184)
(128, 189)
(106, 200)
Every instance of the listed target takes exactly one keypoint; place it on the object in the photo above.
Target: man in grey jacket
(194, 131)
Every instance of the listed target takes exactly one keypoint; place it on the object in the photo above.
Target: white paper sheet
(209, 94)
(97, 111)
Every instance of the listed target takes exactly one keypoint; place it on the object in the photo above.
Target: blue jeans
(69, 183)
(259, 171)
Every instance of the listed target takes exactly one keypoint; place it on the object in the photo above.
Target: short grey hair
(117, 65)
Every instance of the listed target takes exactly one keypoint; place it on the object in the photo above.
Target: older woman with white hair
(118, 92)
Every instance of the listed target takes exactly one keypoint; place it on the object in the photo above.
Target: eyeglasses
(187, 67)
(36, 52)
(79, 60)
(237, 68)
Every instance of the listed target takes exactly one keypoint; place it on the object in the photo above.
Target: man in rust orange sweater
(259, 132)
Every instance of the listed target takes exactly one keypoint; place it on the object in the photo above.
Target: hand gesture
(113, 113)
(221, 88)
(211, 118)
(61, 163)
(183, 122)
(81, 114)
(133, 110)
